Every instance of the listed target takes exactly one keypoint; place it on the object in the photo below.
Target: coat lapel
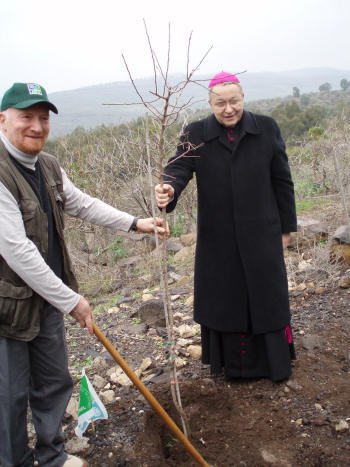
(213, 129)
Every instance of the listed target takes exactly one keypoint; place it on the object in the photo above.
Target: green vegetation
(111, 163)
(117, 249)
(179, 226)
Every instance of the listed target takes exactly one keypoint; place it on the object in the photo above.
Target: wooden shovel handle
(149, 396)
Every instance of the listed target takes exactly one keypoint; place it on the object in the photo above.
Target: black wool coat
(245, 203)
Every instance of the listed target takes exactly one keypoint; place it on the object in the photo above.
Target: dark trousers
(35, 371)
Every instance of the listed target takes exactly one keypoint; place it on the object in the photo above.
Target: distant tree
(316, 132)
(325, 87)
(305, 99)
(296, 92)
(344, 84)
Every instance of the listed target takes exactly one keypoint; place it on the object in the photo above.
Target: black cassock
(245, 203)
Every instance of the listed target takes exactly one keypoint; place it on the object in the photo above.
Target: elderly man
(37, 285)
(246, 211)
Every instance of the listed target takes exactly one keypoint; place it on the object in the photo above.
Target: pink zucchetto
(223, 77)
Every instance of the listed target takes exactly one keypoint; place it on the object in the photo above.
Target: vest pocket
(15, 305)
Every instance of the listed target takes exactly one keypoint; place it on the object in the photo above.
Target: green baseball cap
(24, 95)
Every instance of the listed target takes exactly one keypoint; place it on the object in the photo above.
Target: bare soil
(243, 423)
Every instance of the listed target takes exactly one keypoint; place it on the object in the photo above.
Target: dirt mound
(303, 421)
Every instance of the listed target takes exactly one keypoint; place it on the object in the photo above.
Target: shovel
(149, 396)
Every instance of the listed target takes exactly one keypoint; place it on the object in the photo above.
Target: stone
(185, 254)
(73, 407)
(341, 426)
(189, 301)
(151, 312)
(311, 342)
(344, 282)
(146, 363)
(99, 364)
(99, 382)
(180, 362)
(107, 397)
(342, 234)
(183, 342)
(188, 331)
(147, 296)
(195, 351)
(77, 445)
(312, 225)
(293, 385)
(173, 245)
(188, 239)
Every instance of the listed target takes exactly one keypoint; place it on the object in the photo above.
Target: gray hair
(226, 83)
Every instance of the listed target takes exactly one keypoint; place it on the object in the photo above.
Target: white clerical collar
(28, 160)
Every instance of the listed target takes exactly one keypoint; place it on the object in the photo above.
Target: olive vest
(19, 305)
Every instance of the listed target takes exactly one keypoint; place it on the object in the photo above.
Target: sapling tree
(165, 107)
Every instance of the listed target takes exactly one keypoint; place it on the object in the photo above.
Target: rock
(107, 397)
(73, 407)
(99, 382)
(293, 385)
(188, 239)
(173, 245)
(173, 275)
(189, 301)
(152, 313)
(183, 342)
(342, 234)
(188, 331)
(161, 378)
(185, 254)
(119, 377)
(344, 282)
(195, 351)
(319, 407)
(147, 296)
(77, 445)
(179, 316)
(272, 459)
(113, 309)
(311, 342)
(99, 364)
(180, 362)
(341, 426)
(312, 225)
(146, 363)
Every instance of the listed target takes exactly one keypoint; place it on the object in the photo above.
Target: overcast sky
(70, 44)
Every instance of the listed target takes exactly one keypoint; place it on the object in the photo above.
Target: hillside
(84, 107)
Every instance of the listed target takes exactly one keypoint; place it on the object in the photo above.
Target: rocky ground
(301, 422)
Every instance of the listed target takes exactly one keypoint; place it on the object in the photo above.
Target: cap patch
(35, 89)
